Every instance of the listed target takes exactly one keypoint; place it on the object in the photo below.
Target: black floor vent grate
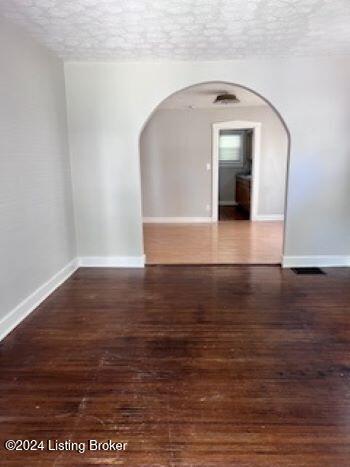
(308, 271)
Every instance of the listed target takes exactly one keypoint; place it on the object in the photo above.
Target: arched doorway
(194, 149)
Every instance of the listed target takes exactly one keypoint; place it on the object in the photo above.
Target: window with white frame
(231, 147)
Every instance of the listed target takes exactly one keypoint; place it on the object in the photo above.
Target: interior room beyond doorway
(213, 178)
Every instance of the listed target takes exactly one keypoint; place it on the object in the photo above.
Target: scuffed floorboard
(191, 366)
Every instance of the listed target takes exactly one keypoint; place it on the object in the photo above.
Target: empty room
(175, 233)
(214, 162)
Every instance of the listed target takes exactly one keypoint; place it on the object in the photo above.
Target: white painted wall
(109, 103)
(176, 145)
(37, 236)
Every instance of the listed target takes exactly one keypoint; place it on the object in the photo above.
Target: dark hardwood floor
(232, 213)
(191, 366)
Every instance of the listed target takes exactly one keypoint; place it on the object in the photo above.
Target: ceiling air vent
(226, 98)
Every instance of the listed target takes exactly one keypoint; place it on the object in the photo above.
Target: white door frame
(236, 125)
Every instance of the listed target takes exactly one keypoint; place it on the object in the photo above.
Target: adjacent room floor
(229, 213)
(235, 242)
(201, 366)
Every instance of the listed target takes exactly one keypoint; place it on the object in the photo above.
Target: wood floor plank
(191, 366)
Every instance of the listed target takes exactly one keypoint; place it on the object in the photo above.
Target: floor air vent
(308, 271)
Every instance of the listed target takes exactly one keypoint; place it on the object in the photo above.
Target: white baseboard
(112, 261)
(176, 220)
(316, 261)
(23, 309)
(227, 203)
(268, 217)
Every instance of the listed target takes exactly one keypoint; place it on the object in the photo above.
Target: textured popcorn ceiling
(185, 29)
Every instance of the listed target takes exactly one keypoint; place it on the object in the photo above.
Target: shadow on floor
(232, 213)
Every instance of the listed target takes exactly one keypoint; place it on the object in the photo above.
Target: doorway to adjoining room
(235, 168)
(213, 171)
